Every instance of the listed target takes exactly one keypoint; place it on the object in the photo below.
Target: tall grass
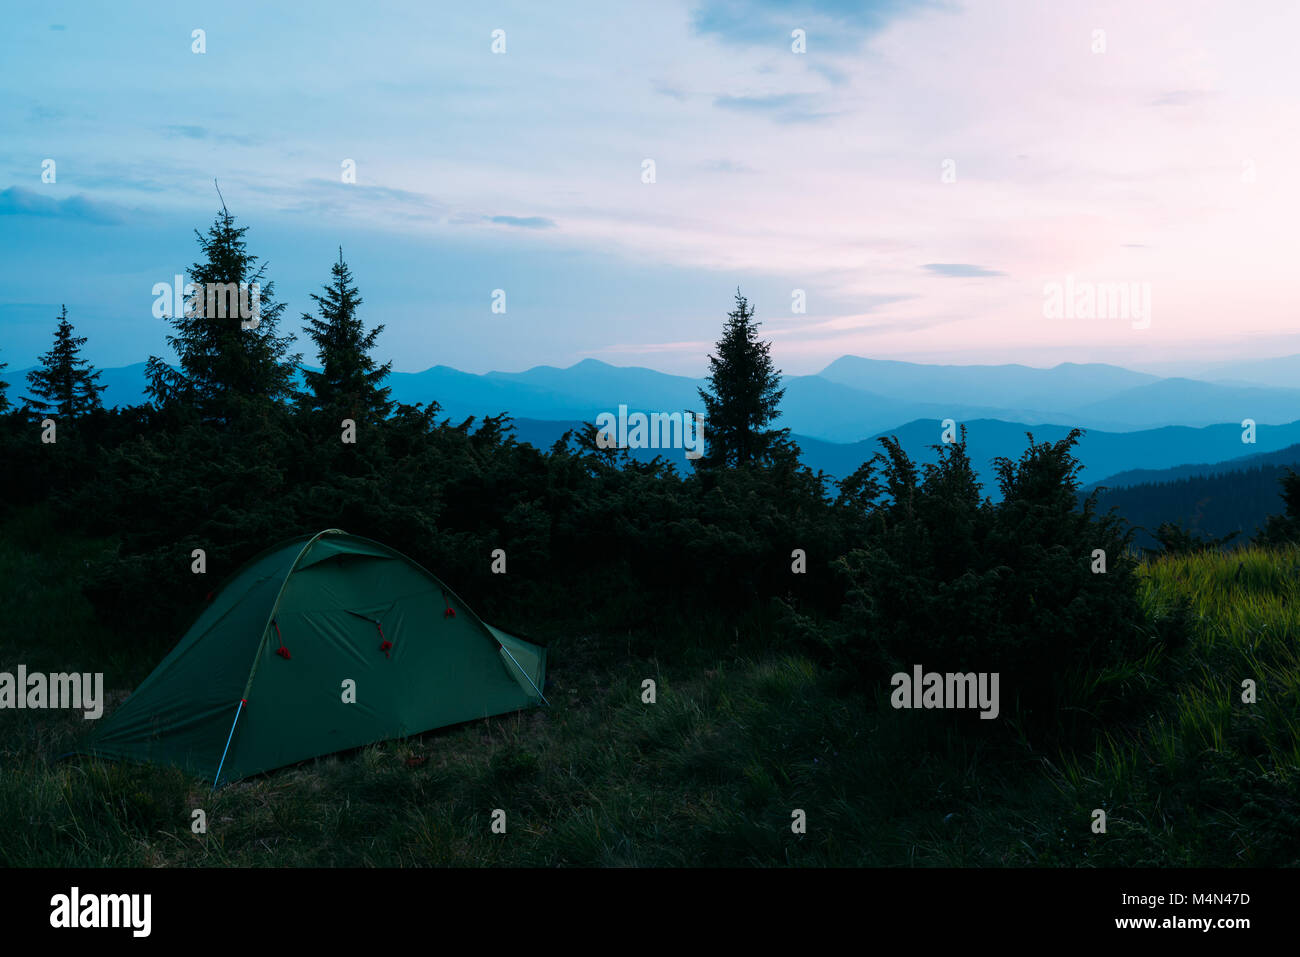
(1206, 777)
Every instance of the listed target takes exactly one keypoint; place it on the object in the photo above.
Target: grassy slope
(709, 774)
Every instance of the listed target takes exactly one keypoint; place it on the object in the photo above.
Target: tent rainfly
(321, 644)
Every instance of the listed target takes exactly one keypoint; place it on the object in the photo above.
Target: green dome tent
(318, 645)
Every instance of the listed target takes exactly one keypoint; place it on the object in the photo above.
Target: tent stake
(526, 675)
(229, 738)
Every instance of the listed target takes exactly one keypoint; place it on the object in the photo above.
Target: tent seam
(275, 606)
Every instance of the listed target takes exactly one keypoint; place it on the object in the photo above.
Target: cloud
(1181, 98)
(123, 180)
(960, 270)
(782, 107)
(203, 133)
(651, 348)
(16, 201)
(189, 132)
(385, 192)
(861, 319)
(524, 222)
(833, 76)
(725, 166)
(839, 25)
(849, 329)
(333, 196)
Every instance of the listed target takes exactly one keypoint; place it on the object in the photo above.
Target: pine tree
(65, 384)
(350, 383)
(744, 396)
(229, 364)
(4, 386)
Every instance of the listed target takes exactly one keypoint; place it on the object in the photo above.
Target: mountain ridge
(839, 424)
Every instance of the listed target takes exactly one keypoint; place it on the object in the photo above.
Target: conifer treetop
(350, 382)
(744, 395)
(64, 384)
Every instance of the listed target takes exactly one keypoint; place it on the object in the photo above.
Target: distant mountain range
(1288, 456)
(1135, 420)
(1158, 453)
(1211, 500)
(1282, 372)
(855, 398)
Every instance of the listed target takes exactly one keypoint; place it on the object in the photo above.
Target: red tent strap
(385, 644)
(282, 651)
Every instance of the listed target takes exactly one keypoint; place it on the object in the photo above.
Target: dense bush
(956, 583)
(584, 531)
(904, 565)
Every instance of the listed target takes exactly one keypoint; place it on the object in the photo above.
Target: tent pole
(526, 675)
(229, 738)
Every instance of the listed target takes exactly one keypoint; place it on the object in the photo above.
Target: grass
(711, 773)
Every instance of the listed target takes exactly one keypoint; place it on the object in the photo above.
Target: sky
(920, 176)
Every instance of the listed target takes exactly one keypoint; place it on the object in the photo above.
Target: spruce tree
(65, 384)
(229, 364)
(350, 383)
(744, 396)
(4, 386)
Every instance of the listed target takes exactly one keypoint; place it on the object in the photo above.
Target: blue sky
(1163, 158)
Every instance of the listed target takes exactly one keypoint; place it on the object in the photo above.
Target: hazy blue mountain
(542, 434)
(600, 386)
(1092, 396)
(1279, 372)
(813, 405)
(833, 412)
(1190, 402)
(1102, 453)
(1289, 456)
(836, 423)
(1053, 390)
(463, 393)
(124, 385)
